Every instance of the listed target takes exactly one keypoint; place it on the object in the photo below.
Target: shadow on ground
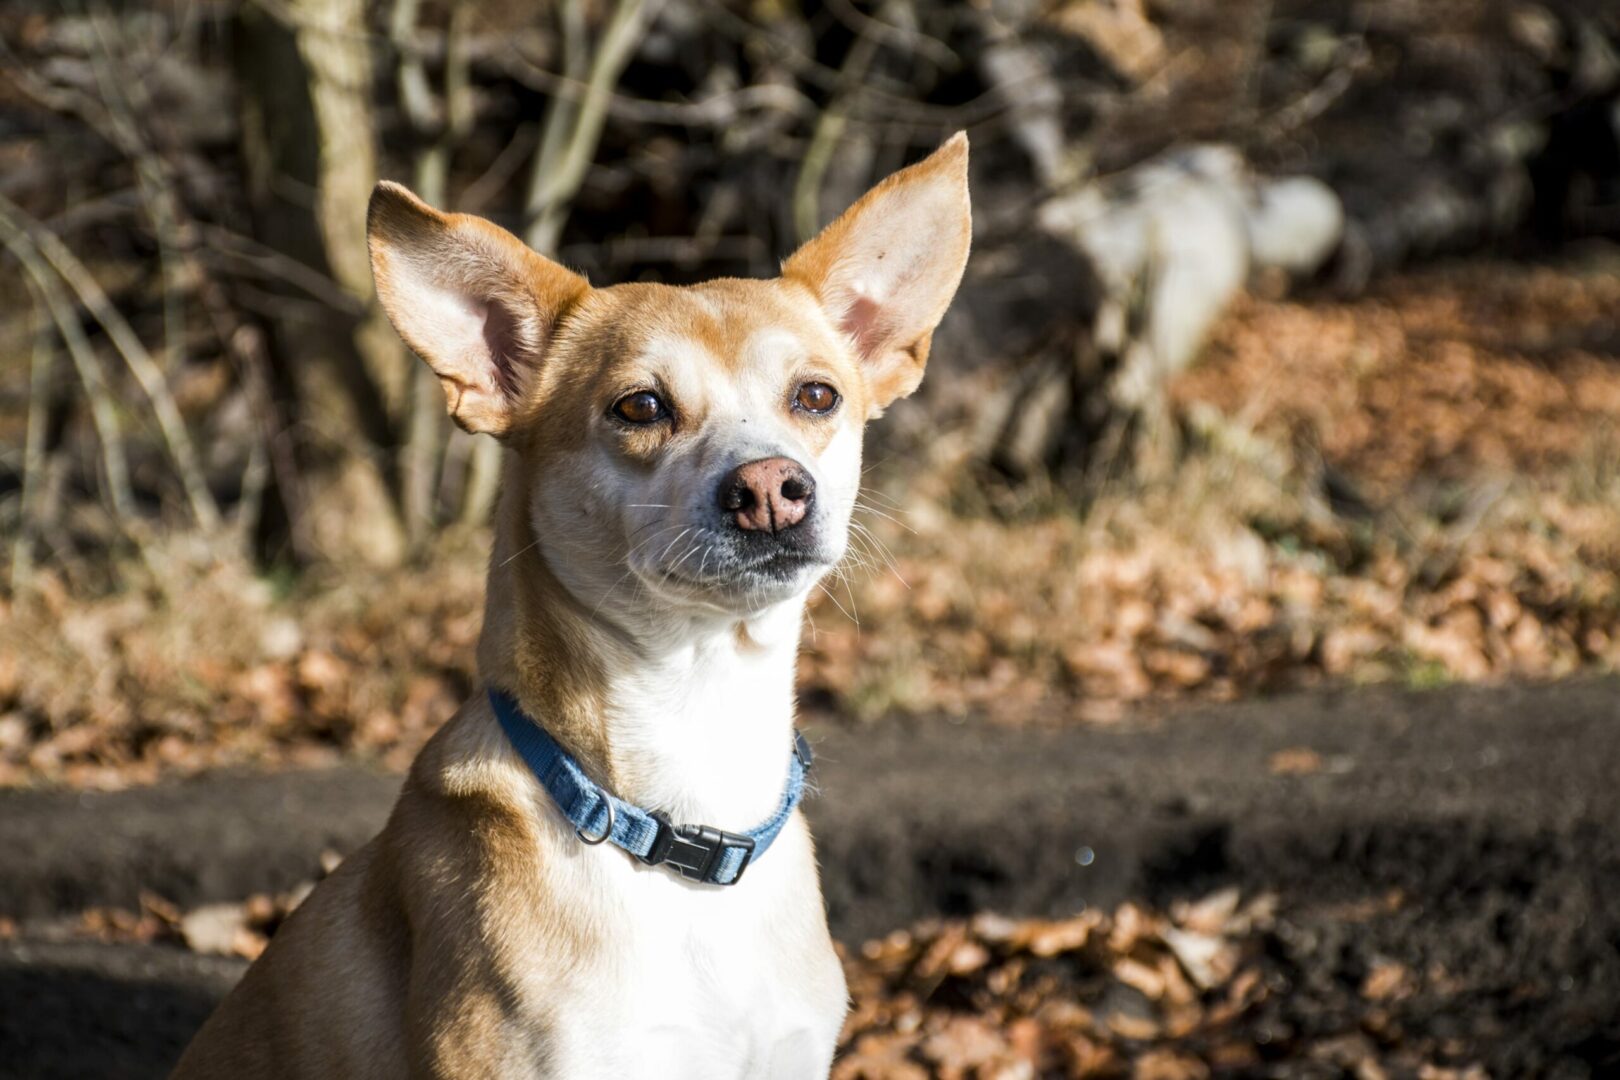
(86, 1010)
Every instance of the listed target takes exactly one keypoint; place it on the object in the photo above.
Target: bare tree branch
(33, 454)
(16, 239)
(140, 362)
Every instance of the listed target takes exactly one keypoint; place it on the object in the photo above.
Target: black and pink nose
(769, 495)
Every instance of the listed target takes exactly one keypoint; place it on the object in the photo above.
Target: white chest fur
(706, 982)
(700, 981)
(703, 727)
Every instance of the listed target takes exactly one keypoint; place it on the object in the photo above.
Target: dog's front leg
(465, 1020)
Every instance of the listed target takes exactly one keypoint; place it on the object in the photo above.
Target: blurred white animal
(1174, 240)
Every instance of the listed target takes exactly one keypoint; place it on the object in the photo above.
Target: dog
(681, 467)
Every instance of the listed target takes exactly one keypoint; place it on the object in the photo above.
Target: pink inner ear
(502, 336)
(863, 322)
(501, 339)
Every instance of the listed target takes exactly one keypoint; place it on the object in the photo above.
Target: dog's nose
(768, 495)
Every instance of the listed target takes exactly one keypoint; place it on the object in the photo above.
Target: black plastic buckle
(695, 851)
(802, 751)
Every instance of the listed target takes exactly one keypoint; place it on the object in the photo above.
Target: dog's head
(702, 442)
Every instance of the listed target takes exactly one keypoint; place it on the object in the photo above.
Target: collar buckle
(695, 851)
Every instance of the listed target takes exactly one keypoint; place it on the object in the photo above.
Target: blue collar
(698, 852)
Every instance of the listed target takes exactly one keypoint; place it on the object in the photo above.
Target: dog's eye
(642, 407)
(816, 397)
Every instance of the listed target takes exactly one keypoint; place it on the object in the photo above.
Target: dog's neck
(691, 714)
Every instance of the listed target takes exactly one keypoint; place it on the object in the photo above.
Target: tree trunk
(308, 141)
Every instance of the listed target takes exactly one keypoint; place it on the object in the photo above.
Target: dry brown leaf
(1387, 981)
(1208, 960)
(1127, 1026)
(216, 929)
(1140, 977)
(1168, 1065)
(1440, 1072)
(1295, 761)
(1050, 938)
(964, 1043)
(882, 1056)
(1131, 924)
(1178, 991)
(1211, 914)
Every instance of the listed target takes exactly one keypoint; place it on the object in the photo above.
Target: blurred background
(1280, 395)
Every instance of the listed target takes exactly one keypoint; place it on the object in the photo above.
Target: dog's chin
(740, 588)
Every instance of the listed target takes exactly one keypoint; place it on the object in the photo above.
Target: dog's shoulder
(471, 843)
(467, 804)
(474, 863)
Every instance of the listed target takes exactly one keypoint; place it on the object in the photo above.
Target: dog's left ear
(472, 300)
(886, 270)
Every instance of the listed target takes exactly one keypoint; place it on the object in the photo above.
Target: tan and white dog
(682, 467)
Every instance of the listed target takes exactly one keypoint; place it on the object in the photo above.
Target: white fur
(701, 981)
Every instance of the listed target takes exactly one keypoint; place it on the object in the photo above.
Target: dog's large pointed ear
(471, 299)
(886, 270)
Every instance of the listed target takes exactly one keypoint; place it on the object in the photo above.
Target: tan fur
(457, 942)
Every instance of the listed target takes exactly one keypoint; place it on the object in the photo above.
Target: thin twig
(140, 362)
(33, 455)
(902, 37)
(103, 415)
(266, 261)
(829, 129)
(149, 176)
(556, 184)
(500, 171)
(715, 111)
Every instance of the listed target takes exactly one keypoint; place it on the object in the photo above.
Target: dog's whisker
(662, 555)
(867, 493)
(650, 525)
(875, 512)
(865, 546)
(881, 558)
(648, 539)
(690, 551)
(837, 604)
(521, 551)
(630, 570)
(607, 595)
(861, 529)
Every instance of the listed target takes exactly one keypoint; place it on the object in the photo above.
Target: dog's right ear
(471, 299)
(885, 270)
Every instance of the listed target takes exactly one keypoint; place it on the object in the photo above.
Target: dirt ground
(1465, 838)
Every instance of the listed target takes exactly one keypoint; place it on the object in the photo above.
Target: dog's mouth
(778, 566)
(785, 566)
(718, 572)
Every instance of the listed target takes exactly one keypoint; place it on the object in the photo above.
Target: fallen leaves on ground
(1440, 375)
(229, 928)
(205, 666)
(1194, 991)
(1180, 995)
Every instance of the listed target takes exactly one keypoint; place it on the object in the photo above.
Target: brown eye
(642, 407)
(816, 397)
